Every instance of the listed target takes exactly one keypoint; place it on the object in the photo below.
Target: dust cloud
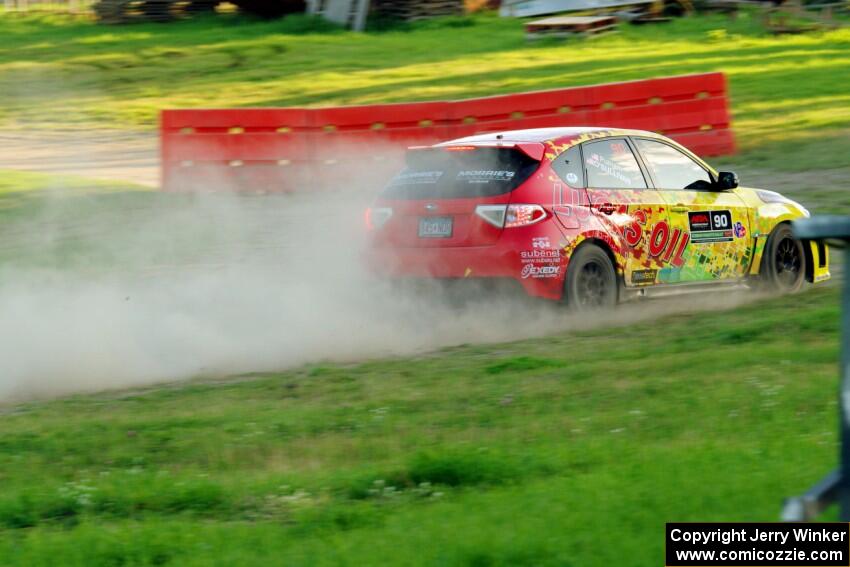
(130, 289)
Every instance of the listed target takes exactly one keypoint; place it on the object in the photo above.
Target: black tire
(783, 265)
(591, 282)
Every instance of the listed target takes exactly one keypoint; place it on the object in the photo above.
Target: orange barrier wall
(290, 149)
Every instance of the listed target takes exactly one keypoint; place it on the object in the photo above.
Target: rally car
(588, 216)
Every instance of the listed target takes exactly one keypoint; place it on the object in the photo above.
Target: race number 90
(721, 220)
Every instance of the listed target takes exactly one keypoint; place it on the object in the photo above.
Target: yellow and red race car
(589, 216)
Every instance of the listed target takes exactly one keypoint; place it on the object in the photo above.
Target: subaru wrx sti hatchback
(589, 216)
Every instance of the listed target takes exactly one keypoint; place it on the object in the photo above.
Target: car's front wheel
(591, 282)
(783, 266)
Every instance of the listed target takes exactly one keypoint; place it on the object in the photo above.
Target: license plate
(435, 227)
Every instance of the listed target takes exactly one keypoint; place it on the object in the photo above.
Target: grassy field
(568, 450)
(54, 69)
(15, 183)
(573, 449)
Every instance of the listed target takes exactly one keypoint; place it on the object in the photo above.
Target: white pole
(360, 16)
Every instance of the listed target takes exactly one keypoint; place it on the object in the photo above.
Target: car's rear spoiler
(534, 150)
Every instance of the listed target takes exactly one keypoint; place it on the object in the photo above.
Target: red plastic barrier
(288, 149)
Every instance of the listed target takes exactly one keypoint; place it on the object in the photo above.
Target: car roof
(553, 135)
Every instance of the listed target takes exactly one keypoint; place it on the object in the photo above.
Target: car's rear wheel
(784, 261)
(591, 282)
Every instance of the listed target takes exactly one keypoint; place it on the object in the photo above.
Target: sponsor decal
(644, 276)
(417, 178)
(608, 167)
(547, 255)
(542, 261)
(669, 246)
(678, 243)
(699, 221)
(532, 271)
(633, 232)
(568, 201)
(572, 178)
(618, 147)
(658, 239)
(485, 176)
(740, 230)
(711, 226)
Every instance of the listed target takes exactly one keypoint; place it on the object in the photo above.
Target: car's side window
(610, 164)
(568, 167)
(671, 168)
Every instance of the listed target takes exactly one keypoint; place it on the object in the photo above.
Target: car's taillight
(523, 215)
(377, 217)
(511, 216)
(494, 214)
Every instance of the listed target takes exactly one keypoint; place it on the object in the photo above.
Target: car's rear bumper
(539, 276)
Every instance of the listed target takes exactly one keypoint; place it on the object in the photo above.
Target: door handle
(607, 208)
(679, 209)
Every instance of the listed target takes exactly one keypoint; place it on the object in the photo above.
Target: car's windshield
(461, 173)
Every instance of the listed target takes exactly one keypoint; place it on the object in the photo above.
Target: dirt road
(96, 154)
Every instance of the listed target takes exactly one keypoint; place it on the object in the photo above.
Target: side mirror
(727, 180)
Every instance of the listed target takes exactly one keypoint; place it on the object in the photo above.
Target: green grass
(15, 183)
(60, 70)
(573, 449)
(529, 453)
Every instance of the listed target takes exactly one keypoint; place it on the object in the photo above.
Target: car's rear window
(456, 174)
